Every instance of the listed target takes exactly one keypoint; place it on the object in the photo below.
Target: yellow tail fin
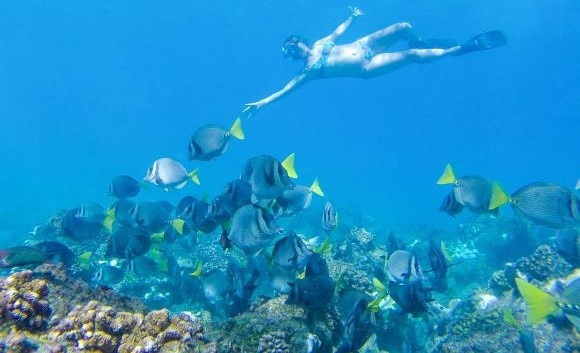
(198, 269)
(508, 318)
(288, 164)
(380, 287)
(109, 219)
(325, 247)
(498, 196)
(178, 225)
(448, 177)
(158, 237)
(236, 129)
(193, 176)
(539, 304)
(84, 260)
(315, 188)
(163, 265)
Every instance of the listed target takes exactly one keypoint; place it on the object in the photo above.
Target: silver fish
(403, 268)
(169, 173)
(293, 201)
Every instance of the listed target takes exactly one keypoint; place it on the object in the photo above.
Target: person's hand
(251, 109)
(356, 12)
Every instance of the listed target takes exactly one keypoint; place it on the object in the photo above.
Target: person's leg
(386, 37)
(386, 62)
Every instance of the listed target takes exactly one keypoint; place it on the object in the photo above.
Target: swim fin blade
(483, 41)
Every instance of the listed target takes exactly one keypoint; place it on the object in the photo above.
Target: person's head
(294, 48)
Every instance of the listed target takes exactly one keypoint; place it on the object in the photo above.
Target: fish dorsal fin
(236, 129)
(288, 164)
(448, 176)
(539, 304)
(193, 175)
(498, 196)
(315, 188)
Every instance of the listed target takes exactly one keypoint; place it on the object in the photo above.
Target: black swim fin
(483, 41)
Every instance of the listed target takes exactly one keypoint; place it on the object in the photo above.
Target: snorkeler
(367, 57)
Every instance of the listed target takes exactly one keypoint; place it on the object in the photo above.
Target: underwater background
(93, 89)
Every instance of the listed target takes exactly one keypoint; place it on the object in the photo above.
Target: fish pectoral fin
(179, 186)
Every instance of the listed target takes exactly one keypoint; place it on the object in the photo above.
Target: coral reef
(24, 302)
(97, 327)
(45, 310)
(273, 326)
(543, 264)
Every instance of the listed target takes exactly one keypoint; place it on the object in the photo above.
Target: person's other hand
(356, 12)
(250, 110)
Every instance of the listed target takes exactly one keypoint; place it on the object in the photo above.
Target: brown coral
(25, 301)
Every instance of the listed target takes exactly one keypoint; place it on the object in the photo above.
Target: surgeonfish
(540, 304)
(356, 319)
(107, 275)
(295, 200)
(474, 192)
(412, 298)
(311, 292)
(252, 229)
(316, 289)
(211, 141)
(450, 205)
(124, 186)
(290, 253)
(91, 212)
(540, 203)
(169, 173)
(150, 216)
(268, 177)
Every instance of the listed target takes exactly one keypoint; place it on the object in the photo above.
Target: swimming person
(367, 57)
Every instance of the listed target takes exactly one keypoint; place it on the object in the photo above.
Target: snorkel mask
(290, 48)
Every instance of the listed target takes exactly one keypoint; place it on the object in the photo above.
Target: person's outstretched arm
(297, 81)
(356, 12)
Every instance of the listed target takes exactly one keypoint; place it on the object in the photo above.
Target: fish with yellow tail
(540, 304)
(211, 141)
(473, 192)
(540, 203)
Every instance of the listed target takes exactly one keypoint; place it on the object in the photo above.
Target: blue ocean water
(90, 90)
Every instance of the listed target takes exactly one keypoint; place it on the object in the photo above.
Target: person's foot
(483, 41)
